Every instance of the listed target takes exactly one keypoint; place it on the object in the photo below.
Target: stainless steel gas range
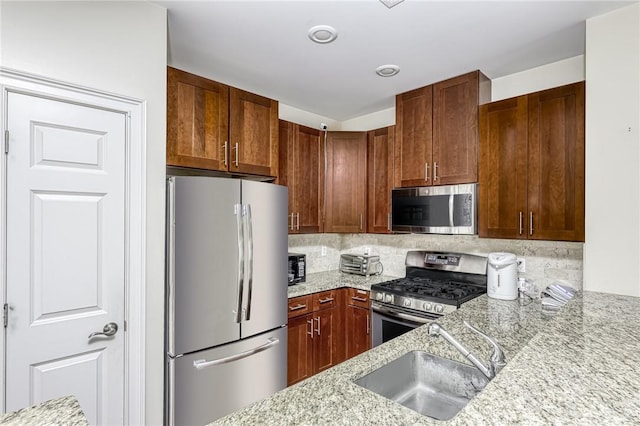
(436, 283)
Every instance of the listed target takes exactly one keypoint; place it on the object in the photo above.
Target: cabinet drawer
(357, 297)
(325, 300)
(298, 306)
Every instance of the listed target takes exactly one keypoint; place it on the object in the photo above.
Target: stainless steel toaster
(360, 264)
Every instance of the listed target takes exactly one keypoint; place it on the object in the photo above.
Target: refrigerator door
(210, 384)
(265, 289)
(203, 263)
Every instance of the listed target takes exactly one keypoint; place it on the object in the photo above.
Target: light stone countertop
(321, 281)
(574, 367)
(61, 411)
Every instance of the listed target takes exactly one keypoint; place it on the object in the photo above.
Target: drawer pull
(359, 299)
(297, 307)
(327, 300)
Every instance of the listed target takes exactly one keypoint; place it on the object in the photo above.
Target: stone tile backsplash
(546, 261)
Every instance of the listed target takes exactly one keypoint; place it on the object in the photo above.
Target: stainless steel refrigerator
(226, 296)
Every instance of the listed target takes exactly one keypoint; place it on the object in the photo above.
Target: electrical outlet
(323, 251)
(367, 250)
(522, 264)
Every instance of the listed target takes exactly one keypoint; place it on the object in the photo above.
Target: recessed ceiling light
(387, 70)
(323, 34)
(390, 3)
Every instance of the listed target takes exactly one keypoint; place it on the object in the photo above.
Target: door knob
(109, 330)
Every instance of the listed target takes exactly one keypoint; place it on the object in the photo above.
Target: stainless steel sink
(433, 386)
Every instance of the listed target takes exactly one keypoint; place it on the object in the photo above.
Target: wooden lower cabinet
(358, 322)
(325, 329)
(316, 338)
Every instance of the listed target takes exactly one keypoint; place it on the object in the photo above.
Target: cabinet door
(379, 179)
(299, 349)
(358, 332)
(327, 339)
(308, 185)
(455, 129)
(346, 182)
(556, 164)
(197, 121)
(413, 142)
(502, 200)
(253, 134)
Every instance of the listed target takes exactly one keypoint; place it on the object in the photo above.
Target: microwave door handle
(240, 284)
(451, 199)
(248, 223)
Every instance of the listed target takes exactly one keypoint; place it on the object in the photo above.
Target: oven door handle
(393, 313)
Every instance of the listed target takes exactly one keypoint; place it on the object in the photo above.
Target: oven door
(388, 322)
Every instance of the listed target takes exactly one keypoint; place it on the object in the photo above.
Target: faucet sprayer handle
(497, 357)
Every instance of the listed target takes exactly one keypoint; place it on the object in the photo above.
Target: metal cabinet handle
(201, 363)
(361, 221)
(297, 307)
(327, 300)
(291, 226)
(236, 162)
(368, 324)
(435, 171)
(225, 153)
(521, 229)
(531, 223)
(426, 172)
(310, 332)
(107, 331)
(298, 221)
(318, 328)
(359, 299)
(389, 222)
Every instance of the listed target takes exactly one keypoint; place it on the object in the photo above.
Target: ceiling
(263, 47)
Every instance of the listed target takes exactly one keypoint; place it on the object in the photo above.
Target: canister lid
(500, 259)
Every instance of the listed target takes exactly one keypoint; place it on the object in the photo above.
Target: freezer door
(203, 263)
(265, 290)
(207, 385)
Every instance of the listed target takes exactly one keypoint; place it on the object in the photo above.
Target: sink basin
(431, 385)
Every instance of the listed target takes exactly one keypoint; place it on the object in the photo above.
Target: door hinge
(5, 315)
(6, 141)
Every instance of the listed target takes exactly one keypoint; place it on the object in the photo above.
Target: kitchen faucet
(497, 361)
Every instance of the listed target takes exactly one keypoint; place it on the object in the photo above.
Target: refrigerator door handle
(249, 271)
(202, 364)
(170, 266)
(238, 211)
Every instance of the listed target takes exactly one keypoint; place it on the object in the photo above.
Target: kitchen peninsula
(576, 366)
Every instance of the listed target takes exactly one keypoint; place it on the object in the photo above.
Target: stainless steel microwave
(446, 209)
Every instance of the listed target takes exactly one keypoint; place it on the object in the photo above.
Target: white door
(65, 235)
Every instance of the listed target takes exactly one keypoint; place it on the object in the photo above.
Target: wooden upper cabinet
(302, 171)
(197, 121)
(216, 127)
(346, 194)
(253, 139)
(502, 193)
(455, 127)
(532, 166)
(437, 132)
(414, 136)
(556, 164)
(379, 179)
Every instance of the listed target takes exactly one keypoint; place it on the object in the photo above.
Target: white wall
(540, 78)
(612, 249)
(117, 47)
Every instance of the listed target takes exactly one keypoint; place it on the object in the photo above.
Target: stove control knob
(439, 309)
(407, 302)
(388, 298)
(379, 296)
(427, 306)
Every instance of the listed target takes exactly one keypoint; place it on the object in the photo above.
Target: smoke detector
(391, 3)
(323, 34)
